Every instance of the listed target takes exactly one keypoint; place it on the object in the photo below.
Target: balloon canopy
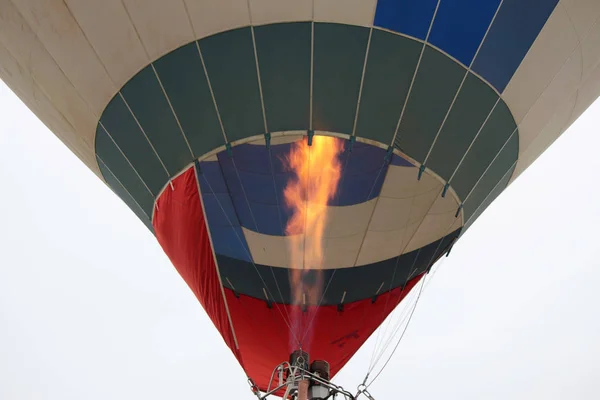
(192, 110)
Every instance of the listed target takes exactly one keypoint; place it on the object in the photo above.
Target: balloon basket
(297, 379)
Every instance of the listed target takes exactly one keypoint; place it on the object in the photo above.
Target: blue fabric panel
(516, 27)
(211, 180)
(219, 210)
(411, 17)
(400, 162)
(221, 217)
(259, 188)
(268, 218)
(360, 188)
(363, 160)
(460, 26)
(230, 242)
(252, 158)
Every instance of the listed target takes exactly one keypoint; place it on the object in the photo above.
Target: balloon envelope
(187, 110)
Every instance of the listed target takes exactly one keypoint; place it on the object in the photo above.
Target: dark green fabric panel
(490, 199)
(390, 68)
(183, 78)
(435, 85)
(120, 191)
(284, 60)
(121, 170)
(339, 55)
(471, 108)
(492, 137)
(124, 130)
(499, 168)
(149, 105)
(231, 66)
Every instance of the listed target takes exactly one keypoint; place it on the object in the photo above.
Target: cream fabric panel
(267, 249)
(555, 109)
(35, 61)
(341, 252)
(555, 127)
(383, 245)
(162, 25)
(352, 12)
(275, 251)
(272, 11)
(409, 213)
(391, 214)
(402, 182)
(110, 32)
(590, 49)
(64, 40)
(343, 232)
(583, 14)
(565, 82)
(214, 16)
(436, 224)
(348, 220)
(36, 100)
(587, 94)
(552, 48)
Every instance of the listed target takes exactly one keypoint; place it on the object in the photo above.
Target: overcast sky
(91, 308)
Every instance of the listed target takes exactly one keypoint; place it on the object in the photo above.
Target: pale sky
(91, 308)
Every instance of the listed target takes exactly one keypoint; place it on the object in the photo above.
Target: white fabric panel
(63, 39)
(272, 11)
(36, 100)
(587, 94)
(590, 49)
(435, 225)
(112, 35)
(391, 214)
(551, 99)
(547, 136)
(402, 182)
(383, 245)
(162, 25)
(352, 12)
(214, 16)
(405, 202)
(341, 252)
(551, 49)
(267, 249)
(33, 59)
(583, 13)
(349, 220)
(275, 251)
(555, 109)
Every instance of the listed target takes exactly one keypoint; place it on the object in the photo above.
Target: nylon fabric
(181, 231)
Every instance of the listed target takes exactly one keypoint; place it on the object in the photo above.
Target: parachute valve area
(298, 379)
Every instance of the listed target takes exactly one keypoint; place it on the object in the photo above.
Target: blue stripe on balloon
(460, 26)
(405, 16)
(516, 27)
(225, 229)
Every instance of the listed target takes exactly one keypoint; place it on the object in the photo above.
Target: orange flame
(318, 170)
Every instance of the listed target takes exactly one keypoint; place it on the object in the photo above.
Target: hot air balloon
(303, 163)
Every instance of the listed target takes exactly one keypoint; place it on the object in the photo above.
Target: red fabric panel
(181, 231)
(264, 339)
